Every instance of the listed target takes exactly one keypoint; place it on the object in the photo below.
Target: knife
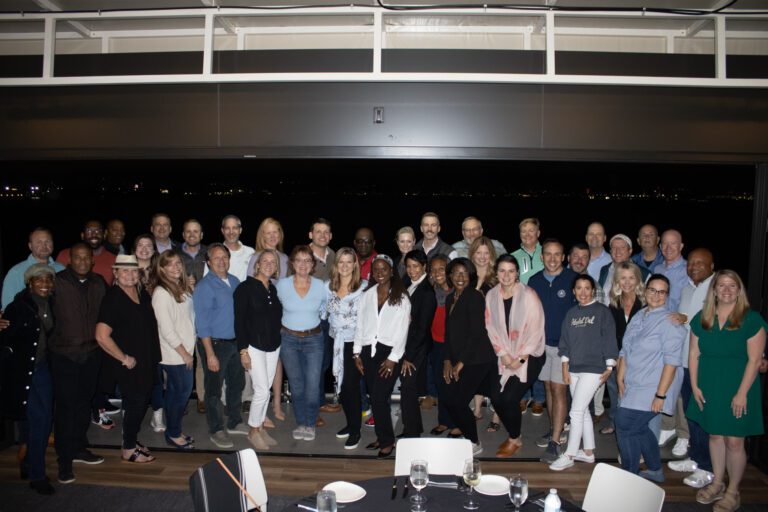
(405, 490)
(394, 489)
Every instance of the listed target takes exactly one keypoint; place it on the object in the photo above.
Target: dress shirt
(639, 260)
(691, 302)
(388, 326)
(677, 273)
(595, 264)
(215, 306)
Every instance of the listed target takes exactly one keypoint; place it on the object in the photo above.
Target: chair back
(611, 488)
(212, 488)
(445, 456)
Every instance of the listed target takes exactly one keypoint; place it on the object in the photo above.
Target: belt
(220, 340)
(304, 334)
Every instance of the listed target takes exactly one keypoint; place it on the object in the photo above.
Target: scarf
(525, 336)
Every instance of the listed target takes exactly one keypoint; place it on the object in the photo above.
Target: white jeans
(262, 372)
(599, 394)
(583, 387)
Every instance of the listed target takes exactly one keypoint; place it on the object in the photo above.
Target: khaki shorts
(553, 367)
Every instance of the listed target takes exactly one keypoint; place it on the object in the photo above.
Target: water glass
(518, 491)
(326, 501)
(472, 474)
(419, 480)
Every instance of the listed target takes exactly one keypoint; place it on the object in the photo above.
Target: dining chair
(445, 456)
(611, 488)
(238, 485)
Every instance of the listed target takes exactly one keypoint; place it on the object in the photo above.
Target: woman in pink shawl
(514, 319)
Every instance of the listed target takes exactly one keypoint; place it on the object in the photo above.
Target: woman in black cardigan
(469, 362)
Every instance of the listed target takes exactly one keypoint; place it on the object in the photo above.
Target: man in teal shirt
(41, 247)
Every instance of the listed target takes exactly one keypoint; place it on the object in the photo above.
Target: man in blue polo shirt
(554, 286)
(215, 324)
(41, 247)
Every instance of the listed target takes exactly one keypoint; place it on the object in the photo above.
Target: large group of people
(456, 325)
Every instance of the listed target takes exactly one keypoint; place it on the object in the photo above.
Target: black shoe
(88, 457)
(247, 406)
(455, 436)
(109, 408)
(400, 435)
(385, 452)
(352, 442)
(43, 487)
(343, 433)
(66, 476)
(373, 446)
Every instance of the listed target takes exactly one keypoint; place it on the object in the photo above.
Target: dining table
(387, 494)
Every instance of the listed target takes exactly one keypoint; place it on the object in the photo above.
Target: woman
(437, 267)
(27, 385)
(405, 239)
(343, 293)
(627, 296)
(418, 342)
(727, 344)
(649, 378)
(144, 250)
(482, 255)
(270, 236)
(172, 303)
(258, 316)
(302, 343)
(380, 335)
(468, 357)
(514, 319)
(588, 351)
(127, 331)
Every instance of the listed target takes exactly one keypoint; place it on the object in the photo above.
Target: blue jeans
(34, 431)
(613, 392)
(231, 372)
(157, 399)
(635, 438)
(699, 447)
(538, 392)
(303, 362)
(178, 389)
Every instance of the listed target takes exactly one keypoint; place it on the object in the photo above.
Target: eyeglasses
(363, 241)
(654, 291)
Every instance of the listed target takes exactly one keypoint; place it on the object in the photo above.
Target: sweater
(588, 339)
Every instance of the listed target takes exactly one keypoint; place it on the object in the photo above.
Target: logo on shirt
(561, 293)
(583, 321)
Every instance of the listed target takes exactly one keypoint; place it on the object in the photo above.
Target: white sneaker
(583, 457)
(477, 448)
(700, 478)
(680, 448)
(683, 466)
(241, 429)
(298, 433)
(309, 433)
(562, 462)
(666, 436)
(157, 423)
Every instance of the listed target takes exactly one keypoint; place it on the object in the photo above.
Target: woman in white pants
(588, 352)
(258, 315)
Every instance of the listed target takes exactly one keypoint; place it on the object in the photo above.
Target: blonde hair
(260, 234)
(180, 289)
(529, 220)
(740, 309)
(273, 252)
(615, 291)
(356, 282)
(405, 230)
(480, 241)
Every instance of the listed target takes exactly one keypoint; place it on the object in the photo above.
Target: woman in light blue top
(302, 342)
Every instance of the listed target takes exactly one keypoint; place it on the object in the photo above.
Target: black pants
(351, 400)
(74, 385)
(473, 380)
(135, 405)
(507, 402)
(380, 389)
(230, 371)
(410, 386)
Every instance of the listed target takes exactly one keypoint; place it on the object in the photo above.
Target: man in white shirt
(598, 258)
(472, 229)
(700, 270)
(240, 254)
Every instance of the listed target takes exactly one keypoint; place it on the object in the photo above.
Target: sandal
(139, 457)
(268, 423)
(492, 427)
(711, 493)
(607, 430)
(141, 447)
(730, 503)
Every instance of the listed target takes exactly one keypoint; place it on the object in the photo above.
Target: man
(161, 231)
(239, 253)
(649, 255)
(193, 254)
(598, 258)
(674, 266)
(215, 322)
(529, 253)
(365, 244)
(700, 269)
(554, 286)
(472, 229)
(621, 250)
(320, 236)
(75, 357)
(114, 236)
(41, 247)
(578, 258)
(93, 235)
(431, 243)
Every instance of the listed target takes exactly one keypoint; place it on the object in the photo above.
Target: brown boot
(507, 449)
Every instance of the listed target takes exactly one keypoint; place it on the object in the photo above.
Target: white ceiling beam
(696, 27)
(50, 5)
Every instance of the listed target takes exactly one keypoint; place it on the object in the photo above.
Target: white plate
(346, 492)
(493, 485)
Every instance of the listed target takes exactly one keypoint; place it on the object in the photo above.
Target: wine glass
(518, 491)
(419, 480)
(472, 474)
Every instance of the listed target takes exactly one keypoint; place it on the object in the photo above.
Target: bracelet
(661, 397)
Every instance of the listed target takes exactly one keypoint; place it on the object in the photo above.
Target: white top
(388, 326)
(691, 302)
(175, 325)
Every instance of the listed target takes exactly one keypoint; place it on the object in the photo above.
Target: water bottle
(552, 503)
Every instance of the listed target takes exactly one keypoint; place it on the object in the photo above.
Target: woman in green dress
(727, 344)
